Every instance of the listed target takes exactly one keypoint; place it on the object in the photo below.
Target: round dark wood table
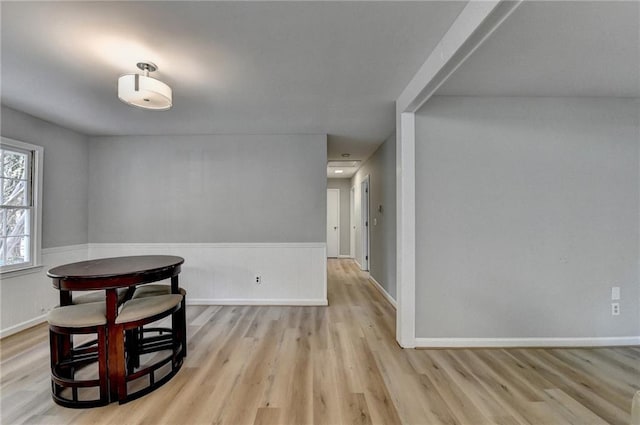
(109, 274)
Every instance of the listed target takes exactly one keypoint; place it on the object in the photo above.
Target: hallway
(338, 365)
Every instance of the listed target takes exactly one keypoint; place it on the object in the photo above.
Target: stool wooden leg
(65, 342)
(103, 371)
(181, 326)
(65, 347)
(116, 362)
(132, 344)
(115, 337)
(175, 287)
(54, 349)
(175, 337)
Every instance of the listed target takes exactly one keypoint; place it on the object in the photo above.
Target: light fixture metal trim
(143, 91)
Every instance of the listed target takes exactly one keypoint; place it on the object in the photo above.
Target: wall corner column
(406, 230)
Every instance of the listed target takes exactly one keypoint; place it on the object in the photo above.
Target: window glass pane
(17, 223)
(14, 164)
(17, 250)
(14, 192)
(16, 240)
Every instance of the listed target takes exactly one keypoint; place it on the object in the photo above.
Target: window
(20, 203)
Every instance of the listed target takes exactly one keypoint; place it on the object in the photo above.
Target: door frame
(352, 222)
(365, 221)
(338, 227)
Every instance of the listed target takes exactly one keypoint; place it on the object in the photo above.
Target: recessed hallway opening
(338, 365)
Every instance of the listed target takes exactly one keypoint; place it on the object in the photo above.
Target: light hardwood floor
(338, 365)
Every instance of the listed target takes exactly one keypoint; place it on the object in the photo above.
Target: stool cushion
(144, 291)
(141, 308)
(78, 316)
(94, 297)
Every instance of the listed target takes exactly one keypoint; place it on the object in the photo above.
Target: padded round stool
(153, 290)
(134, 315)
(66, 360)
(98, 296)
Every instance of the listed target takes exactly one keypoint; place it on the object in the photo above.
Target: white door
(364, 208)
(352, 223)
(333, 222)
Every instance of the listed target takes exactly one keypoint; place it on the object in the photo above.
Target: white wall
(25, 298)
(66, 175)
(527, 212)
(381, 168)
(344, 185)
(209, 188)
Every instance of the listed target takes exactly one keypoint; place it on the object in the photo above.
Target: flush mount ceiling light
(143, 91)
(339, 171)
(343, 164)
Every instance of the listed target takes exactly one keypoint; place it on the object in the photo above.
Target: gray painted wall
(66, 176)
(345, 188)
(527, 212)
(381, 167)
(210, 188)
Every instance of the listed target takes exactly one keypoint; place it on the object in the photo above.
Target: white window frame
(35, 242)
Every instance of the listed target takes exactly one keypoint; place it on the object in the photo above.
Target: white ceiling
(551, 48)
(235, 67)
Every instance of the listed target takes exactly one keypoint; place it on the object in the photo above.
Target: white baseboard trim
(357, 263)
(266, 302)
(384, 292)
(66, 248)
(344, 256)
(22, 326)
(525, 342)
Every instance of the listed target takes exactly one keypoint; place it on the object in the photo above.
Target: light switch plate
(615, 293)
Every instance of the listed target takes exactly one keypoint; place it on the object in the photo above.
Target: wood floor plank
(577, 386)
(455, 398)
(620, 375)
(338, 364)
(267, 416)
(380, 403)
(504, 395)
(470, 384)
(326, 389)
(573, 411)
(358, 410)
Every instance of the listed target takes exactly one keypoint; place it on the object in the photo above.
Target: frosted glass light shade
(144, 92)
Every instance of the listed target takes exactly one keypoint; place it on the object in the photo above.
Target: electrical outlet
(259, 279)
(615, 309)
